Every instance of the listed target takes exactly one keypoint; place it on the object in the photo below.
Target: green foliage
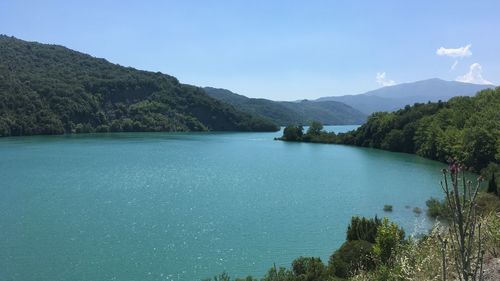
(437, 209)
(315, 129)
(284, 113)
(487, 203)
(492, 230)
(388, 241)
(352, 257)
(278, 274)
(49, 89)
(394, 141)
(309, 269)
(363, 229)
(293, 133)
(465, 129)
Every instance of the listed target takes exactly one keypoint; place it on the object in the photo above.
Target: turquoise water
(185, 206)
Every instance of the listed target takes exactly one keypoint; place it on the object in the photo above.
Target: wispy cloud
(475, 75)
(455, 52)
(383, 81)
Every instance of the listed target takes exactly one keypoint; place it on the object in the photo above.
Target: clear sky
(282, 50)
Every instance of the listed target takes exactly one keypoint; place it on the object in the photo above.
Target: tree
(363, 229)
(492, 185)
(480, 148)
(309, 269)
(293, 133)
(393, 141)
(315, 128)
(388, 241)
(352, 257)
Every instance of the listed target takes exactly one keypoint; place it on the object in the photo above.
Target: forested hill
(285, 113)
(49, 89)
(464, 128)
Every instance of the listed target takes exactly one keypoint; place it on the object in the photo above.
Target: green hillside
(465, 129)
(49, 89)
(284, 113)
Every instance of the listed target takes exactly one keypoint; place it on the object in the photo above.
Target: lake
(186, 206)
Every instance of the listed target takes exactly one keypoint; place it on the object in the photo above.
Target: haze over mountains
(49, 89)
(284, 113)
(391, 98)
(348, 109)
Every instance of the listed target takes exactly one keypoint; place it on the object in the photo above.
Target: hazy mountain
(50, 89)
(398, 96)
(283, 113)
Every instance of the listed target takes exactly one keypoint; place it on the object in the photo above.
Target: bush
(315, 129)
(352, 257)
(293, 133)
(487, 203)
(437, 209)
(388, 241)
(363, 229)
(309, 269)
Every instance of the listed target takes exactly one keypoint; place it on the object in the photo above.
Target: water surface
(185, 206)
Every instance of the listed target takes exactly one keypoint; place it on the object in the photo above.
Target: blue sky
(282, 50)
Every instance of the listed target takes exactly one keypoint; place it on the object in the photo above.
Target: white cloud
(383, 81)
(474, 75)
(455, 53)
(454, 65)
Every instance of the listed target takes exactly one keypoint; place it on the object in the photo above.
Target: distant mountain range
(391, 98)
(284, 113)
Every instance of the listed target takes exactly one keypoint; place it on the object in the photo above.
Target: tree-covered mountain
(465, 129)
(395, 97)
(49, 89)
(284, 113)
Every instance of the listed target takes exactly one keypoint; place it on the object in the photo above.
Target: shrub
(293, 133)
(309, 269)
(363, 229)
(388, 241)
(352, 257)
(437, 209)
(278, 274)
